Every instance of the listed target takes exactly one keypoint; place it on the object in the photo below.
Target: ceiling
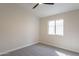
(46, 10)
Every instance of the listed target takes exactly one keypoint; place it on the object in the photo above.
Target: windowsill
(56, 35)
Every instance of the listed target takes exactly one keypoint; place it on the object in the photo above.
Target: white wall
(70, 40)
(18, 27)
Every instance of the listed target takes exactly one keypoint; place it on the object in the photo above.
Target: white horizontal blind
(56, 27)
(51, 29)
(59, 27)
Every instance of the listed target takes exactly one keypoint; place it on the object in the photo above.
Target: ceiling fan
(42, 3)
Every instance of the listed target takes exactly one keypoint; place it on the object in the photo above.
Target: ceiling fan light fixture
(40, 3)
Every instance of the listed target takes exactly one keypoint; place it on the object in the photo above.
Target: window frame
(55, 27)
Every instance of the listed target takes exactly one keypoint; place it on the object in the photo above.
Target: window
(59, 27)
(51, 27)
(56, 27)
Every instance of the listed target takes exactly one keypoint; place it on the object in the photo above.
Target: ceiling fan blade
(49, 3)
(35, 6)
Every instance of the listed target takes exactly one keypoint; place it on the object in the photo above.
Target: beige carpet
(41, 50)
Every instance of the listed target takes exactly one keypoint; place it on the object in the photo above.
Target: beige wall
(18, 27)
(70, 40)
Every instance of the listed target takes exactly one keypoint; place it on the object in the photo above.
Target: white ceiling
(46, 10)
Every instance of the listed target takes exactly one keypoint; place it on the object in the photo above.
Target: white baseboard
(8, 51)
(76, 51)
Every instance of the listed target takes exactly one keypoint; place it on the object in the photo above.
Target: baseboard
(59, 47)
(8, 51)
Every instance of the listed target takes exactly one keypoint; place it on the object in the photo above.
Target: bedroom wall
(18, 27)
(70, 39)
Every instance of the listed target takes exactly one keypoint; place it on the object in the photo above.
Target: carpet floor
(41, 50)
